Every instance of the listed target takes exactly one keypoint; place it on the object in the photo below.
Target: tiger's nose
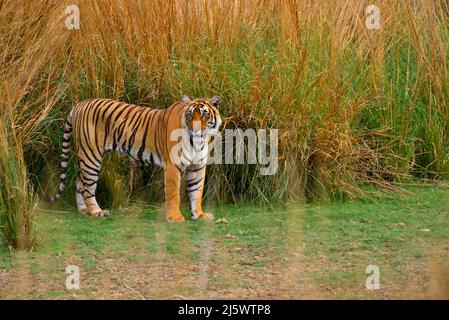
(196, 126)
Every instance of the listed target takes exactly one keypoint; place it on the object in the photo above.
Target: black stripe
(193, 190)
(86, 171)
(84, 179)
(135, 128)
(114, 122)
(102, 107)
(89, 179)
(85, 190)
(97, 171)
(108, 121)
(121, 128)
(158, 131)
(145, 133)
(192, 183)
(88, 156)
(92, 108)
(90, 184)
(85, 131)
(195, 170)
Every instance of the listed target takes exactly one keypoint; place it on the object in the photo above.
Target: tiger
(145, 134)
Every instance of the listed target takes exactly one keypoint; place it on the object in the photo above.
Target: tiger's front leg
(172, 178)
(196, 175)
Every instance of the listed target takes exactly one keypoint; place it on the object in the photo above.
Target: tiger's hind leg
(89, 178)
(82, 208)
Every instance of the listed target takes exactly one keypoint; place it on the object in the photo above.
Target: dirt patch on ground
(158, 276)
(166, 277)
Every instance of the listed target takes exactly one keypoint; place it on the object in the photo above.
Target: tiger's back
(103, 125)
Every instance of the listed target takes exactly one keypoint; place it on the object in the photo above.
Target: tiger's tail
(64, 157)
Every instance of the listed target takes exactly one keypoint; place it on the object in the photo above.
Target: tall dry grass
(29, 88)
(353, 106)
(17, 199)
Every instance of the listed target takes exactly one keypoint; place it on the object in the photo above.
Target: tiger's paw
(101, 213)
(203, 216)
(82, 211)
(175, 218)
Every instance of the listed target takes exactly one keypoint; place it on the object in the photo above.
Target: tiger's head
(201, 115)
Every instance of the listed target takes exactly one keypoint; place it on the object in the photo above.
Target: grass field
(294, 251)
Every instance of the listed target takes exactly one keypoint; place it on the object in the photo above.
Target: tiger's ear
(215, 101)
(185, 98)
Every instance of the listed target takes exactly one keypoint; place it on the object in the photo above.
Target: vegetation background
(353, 106)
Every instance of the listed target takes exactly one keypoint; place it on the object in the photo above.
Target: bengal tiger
(103, 125)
